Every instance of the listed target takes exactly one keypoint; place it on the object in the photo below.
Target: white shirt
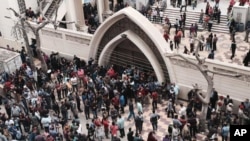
(161, 13)
(154, 12)
(46, 121)
(73, 80)
(183, 2)
(183, 111)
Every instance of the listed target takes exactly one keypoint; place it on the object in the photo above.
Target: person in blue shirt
(122, 102)
(225, 132)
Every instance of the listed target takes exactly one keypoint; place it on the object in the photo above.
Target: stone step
(193, 17)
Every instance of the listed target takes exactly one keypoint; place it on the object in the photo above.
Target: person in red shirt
(166, 36)
(155, 98)
(113, 130)
(105, 123)
(115, 102)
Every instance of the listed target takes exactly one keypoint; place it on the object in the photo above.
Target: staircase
(50, 11)
(193, 17)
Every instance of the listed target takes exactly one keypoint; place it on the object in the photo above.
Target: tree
(36, 30)
(208, 75)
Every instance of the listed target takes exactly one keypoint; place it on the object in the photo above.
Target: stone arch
(144, 48)
(124, 20)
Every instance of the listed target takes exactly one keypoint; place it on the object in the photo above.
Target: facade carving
(52, 34)
(184, 64)
(77, 39)
(242, 77)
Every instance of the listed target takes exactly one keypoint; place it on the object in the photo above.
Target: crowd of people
(48, 107)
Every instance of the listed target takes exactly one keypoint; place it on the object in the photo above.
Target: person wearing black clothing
(193, 126)
(233, 49)
(87, 109)
(56, 108)
(130, 135)
(214, 98)
(184, 19)
(218, 16)
(78, 103)
(227, 100)
(246, 59)
(247, 33)
(23, 55)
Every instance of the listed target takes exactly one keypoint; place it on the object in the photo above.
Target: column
(75, 13)
(114, 5)
(106, 7)
(106, 12)
(100, 9)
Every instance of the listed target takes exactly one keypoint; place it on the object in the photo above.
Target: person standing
(155, 99)
(218, 15)
(120, 123)
(130, 135)
(183, 4)
(225, 132)
(201, 16)
(246, 59)
(154, 120)
(184, 19)
(113, 130)
(191, 41)
(139, 122)
(215, 39)
(233, 49)
(131, 110)
(171, 45)
(193, 126)
(139, 107)
(247, 34)
(105, 123)
(161, 14)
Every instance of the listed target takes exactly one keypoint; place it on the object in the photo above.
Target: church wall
(66, 42)
(186, 75)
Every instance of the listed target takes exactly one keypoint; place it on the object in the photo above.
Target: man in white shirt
(182, 111)
(154, 13)
(183, 4)
(161, 15)
(74, 83)
(139, 107)
(46, 121)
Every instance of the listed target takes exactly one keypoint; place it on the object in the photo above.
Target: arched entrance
(128, 37)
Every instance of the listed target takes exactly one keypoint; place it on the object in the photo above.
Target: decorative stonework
(51, 33)
(183, 63)
(123, 25)
(243, 77)
(77, 39)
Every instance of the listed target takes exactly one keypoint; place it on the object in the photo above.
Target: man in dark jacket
(233, 49)
(130, 134)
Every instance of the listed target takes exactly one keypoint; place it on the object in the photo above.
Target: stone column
(106, 12)
(75, 13)
(114, 5)
(100, 9)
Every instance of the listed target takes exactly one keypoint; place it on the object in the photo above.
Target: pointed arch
(144, 48)
(157, 45)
